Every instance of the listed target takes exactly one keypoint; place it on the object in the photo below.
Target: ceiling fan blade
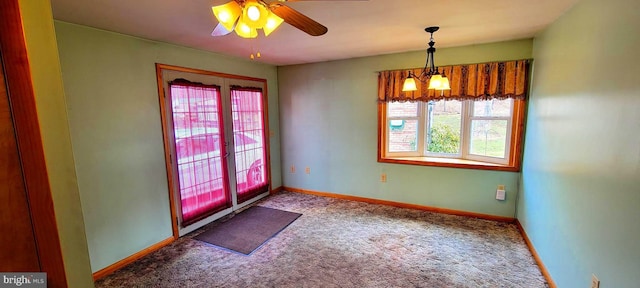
(220, 30)
(298, 20)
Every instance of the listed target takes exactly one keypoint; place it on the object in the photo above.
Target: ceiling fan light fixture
(273, 22)
(245, 31)
(258, 14)
(227, 14)
(255, 14)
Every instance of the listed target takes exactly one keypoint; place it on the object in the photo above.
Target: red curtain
(199, 149)
(247, 110)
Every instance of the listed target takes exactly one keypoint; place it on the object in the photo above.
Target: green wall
(328, 115)
(580, 197)
(50, 104)
(114, 119)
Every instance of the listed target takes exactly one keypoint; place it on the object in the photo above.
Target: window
(476, 124)
(482, 134)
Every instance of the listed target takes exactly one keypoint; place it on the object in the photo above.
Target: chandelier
(246, 19)
(429, 73)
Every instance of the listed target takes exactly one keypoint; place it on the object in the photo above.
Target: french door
(248, 133)
(199, 151)
(214, 130)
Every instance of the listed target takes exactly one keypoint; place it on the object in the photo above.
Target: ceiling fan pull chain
(255, 53)
(251, 48)
(257, 40)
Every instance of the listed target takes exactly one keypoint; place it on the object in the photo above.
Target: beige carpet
(339, 243)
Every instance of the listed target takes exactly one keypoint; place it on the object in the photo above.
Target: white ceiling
(356, 28)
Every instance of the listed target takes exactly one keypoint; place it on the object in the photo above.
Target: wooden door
(22, 127)
(18, 253)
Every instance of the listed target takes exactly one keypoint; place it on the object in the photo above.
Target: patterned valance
(494, 80)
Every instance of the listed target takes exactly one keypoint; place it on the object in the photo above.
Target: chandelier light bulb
(435, 82)
(409, 85)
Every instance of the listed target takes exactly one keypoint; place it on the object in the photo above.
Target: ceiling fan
(247, 16)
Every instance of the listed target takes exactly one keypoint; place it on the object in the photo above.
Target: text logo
(24, 279)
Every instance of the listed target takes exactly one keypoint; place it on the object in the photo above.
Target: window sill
(449, 162)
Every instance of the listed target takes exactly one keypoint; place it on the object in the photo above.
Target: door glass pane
(249, 143)
(493, 108)
(444, 126)
(403, 135)
(196, 115)
(488, 138)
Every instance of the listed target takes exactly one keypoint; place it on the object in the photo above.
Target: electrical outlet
(292, 169)
(383, 177)
(307, 170)
(595, 283)
(501, 193)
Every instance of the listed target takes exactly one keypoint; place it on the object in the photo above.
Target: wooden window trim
(515, 155)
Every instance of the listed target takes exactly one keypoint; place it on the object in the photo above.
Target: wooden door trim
(167, 150)
(30, 147)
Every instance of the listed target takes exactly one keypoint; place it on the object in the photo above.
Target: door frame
(27, 128)
(167, 130)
